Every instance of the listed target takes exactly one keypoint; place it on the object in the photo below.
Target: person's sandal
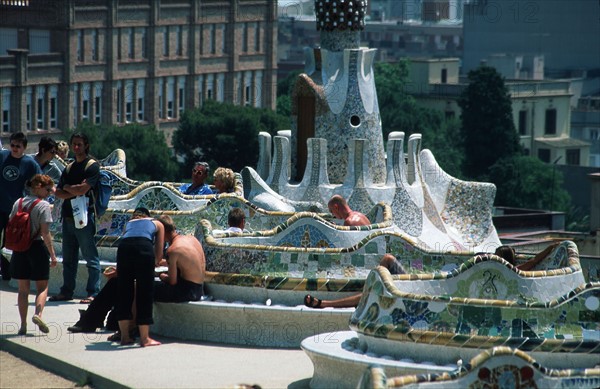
(312, 302)
(116, 337)
(87, 300)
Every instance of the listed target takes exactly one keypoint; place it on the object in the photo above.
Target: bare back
(356, 218)
(186, 255)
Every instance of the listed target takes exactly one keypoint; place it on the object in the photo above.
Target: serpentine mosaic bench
(498, 367)
(424, 323)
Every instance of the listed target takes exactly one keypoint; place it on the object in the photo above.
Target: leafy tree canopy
(527, 182)
(487, 124)
(148, 156)
(224, 134)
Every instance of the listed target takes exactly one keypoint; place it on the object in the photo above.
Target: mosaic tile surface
(480, 306)
(498, 367)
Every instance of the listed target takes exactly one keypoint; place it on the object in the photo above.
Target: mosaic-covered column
(336, 98)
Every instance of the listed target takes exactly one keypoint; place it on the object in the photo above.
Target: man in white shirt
(236, 220)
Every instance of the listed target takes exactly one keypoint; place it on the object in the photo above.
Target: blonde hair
(226, 176)
(63, 149)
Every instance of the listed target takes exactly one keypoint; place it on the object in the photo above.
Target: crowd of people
(29, 181)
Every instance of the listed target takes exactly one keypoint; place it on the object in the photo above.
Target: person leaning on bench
(183, 281)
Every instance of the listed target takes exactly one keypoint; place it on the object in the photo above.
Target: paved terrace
(91, 359)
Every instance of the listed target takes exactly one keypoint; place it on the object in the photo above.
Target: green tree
(487, 124)
(527, 182)
(223, 134)
(148, 156)
(400, 112)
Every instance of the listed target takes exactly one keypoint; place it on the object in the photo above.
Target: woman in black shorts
(33, 265)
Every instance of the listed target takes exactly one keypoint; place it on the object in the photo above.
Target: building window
(544, 155)
(40, 94)
(119, 102)
(161, 85)
(210, 87)
(75, 94)
(257, 37)
(165, 41)
(95, 44)
(144, 43)
(222, 28)
(550, 126)
(170, 97)
(179, 40)
(130, 40)
(53, 106)
(85, 101)
(28, 107)
(80, 45)
(247, 97)
(245, 37)
(5, 96)
(128, 101)
(444, 76)
(180, 95)
(39, 41)
(573, 157)
(211, 39)
(220, 87)
(523, 122)
(141, 92)
(239, 80)
(258, 79)
(120, 44)
(200, 90)
(97, 102)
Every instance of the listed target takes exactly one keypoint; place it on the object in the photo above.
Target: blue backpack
(101, 192)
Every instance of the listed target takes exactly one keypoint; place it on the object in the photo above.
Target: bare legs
(387, 260)
(41, 287)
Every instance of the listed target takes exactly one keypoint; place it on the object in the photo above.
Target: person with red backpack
(28, 235)
(15, 169)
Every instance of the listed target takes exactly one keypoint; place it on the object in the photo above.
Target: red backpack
(18, 230)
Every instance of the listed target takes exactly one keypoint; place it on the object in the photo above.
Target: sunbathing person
(388, 261)
(340, 209)
(509, 254)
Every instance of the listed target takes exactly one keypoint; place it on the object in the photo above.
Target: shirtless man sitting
(340, 209)
(186, 262)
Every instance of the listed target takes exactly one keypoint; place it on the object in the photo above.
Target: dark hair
(205, 165)
(46, 143)
(82, 136)
(142, 211)
(506, 252)
(235, 217)
(19, 137)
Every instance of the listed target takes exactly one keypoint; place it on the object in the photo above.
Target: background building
(565, 33)
(124, 61)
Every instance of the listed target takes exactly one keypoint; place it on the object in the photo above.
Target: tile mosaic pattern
(477, 306)
(498, 367)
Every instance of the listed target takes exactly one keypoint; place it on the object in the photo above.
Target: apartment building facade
(541, 109)
(131, 61)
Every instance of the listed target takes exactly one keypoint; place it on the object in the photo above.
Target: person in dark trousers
(15, 169)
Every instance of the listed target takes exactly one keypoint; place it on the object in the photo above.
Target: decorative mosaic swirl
(493, 368)
(452, 318)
